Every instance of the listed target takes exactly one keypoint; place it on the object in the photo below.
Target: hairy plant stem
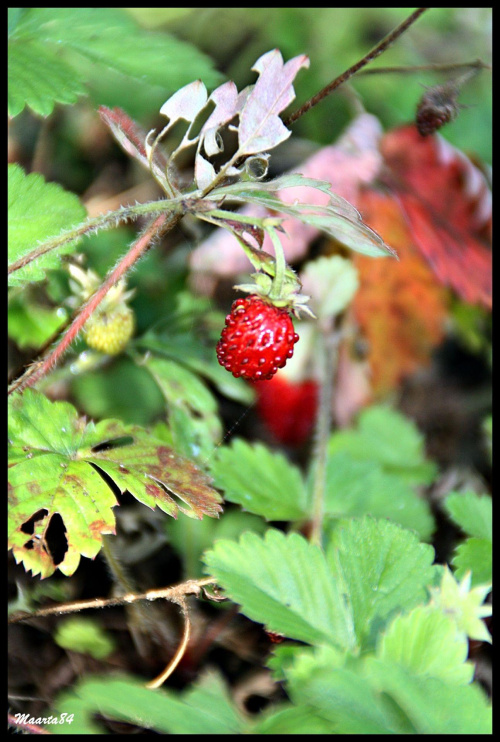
(328, 352)
(375, 52)
(103, 221)
(162, 224)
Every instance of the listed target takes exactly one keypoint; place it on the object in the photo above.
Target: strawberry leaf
(473, 514)
(284, 582)
(37, 211)
(204, 708)
(386, 436)
(261, 481)
(425, 641)
(74, 45)
(358, 488)
(382, 568)
(55, 462)
(39, 78)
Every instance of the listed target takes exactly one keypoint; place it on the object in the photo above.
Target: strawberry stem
(328, 352)
(276, 292)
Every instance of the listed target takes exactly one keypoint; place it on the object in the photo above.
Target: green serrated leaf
(283, 582)
(429, 705)
(261, 481)
(202, 709)
(343, 697)
(382, 568)
(192, 409)
(36, 211)
(475, 555)
(426, 642)
(472, 513)
(385, 435)
(39, 78)
(53, 452)
(378, 696)
(358, 488)
(52, 51)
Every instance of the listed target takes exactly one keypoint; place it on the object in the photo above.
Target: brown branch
(174, 594)
(160, 225)
(375, 52)
(478, 64)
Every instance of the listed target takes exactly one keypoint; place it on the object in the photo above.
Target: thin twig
(477, 64)
(157, 227)
(190, 587)
(375, 52)
(167, 672)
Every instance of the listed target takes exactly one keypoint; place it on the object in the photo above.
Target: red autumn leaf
(447, 203)
(399, 306)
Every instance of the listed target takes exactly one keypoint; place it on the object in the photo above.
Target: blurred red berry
(288, 409)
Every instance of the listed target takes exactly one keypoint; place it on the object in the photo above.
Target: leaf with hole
(61, 466)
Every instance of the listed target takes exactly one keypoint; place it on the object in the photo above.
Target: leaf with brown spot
(53, 451)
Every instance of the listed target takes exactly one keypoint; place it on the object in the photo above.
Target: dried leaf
(132, 138)
(343, 168)
(186, 103)
(204, 172)
(227, 105)
(260, 125)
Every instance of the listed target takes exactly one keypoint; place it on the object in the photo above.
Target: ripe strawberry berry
(257, 339)
(110, 331)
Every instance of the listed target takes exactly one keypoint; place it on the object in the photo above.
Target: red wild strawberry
(257, 340)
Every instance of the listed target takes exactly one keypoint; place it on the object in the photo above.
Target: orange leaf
(399, 306)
